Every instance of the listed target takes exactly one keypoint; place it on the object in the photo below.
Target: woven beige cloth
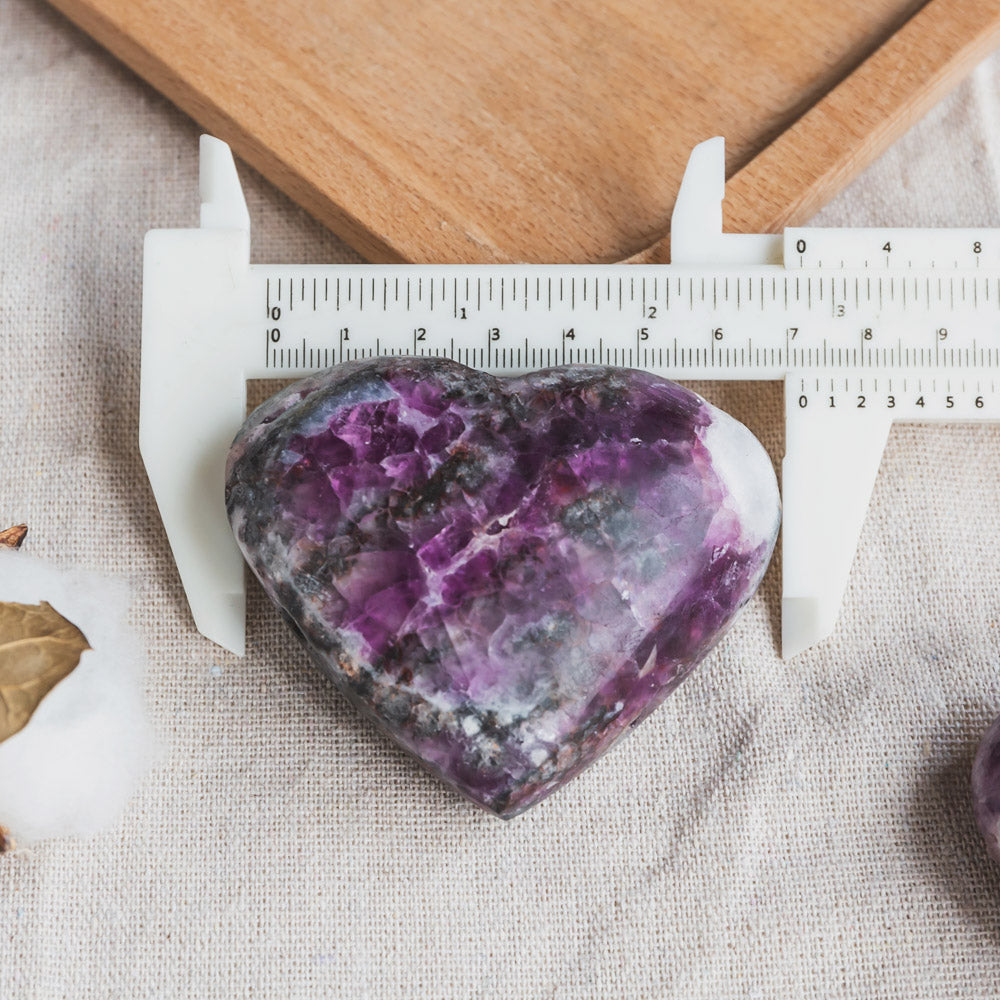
(776, 830)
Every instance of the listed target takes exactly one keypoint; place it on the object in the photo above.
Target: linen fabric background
(775, 830)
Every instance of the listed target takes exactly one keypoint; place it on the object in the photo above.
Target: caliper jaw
(192, 399)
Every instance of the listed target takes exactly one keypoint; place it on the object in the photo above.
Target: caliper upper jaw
(696, 235)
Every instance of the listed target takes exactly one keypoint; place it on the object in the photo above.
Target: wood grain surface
(544, 130)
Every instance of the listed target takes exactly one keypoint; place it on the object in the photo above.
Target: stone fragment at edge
(506, 575)
(986, 789)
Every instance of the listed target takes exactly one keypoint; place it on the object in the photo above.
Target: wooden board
(545, 130)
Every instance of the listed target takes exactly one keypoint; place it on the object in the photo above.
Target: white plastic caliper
(865, 327)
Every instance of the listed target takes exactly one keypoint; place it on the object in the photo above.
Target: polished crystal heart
(506, 575)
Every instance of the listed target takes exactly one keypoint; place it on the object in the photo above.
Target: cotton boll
(71, 770)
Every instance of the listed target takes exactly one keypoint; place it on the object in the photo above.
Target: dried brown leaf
(38, 648)
(11, 538)
(6, 840)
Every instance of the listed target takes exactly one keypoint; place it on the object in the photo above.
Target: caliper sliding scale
(865, 326)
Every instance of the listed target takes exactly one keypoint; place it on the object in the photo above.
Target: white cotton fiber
(71, 770)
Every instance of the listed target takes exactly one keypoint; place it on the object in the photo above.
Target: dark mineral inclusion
(506, 575)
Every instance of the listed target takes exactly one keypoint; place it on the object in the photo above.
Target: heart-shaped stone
(506, 575)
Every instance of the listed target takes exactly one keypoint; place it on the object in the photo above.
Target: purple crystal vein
(508, 574)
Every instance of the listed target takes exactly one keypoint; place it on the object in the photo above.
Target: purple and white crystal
(506, 575)
(986, 789)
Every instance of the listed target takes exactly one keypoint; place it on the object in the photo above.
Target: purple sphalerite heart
(505, 574)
